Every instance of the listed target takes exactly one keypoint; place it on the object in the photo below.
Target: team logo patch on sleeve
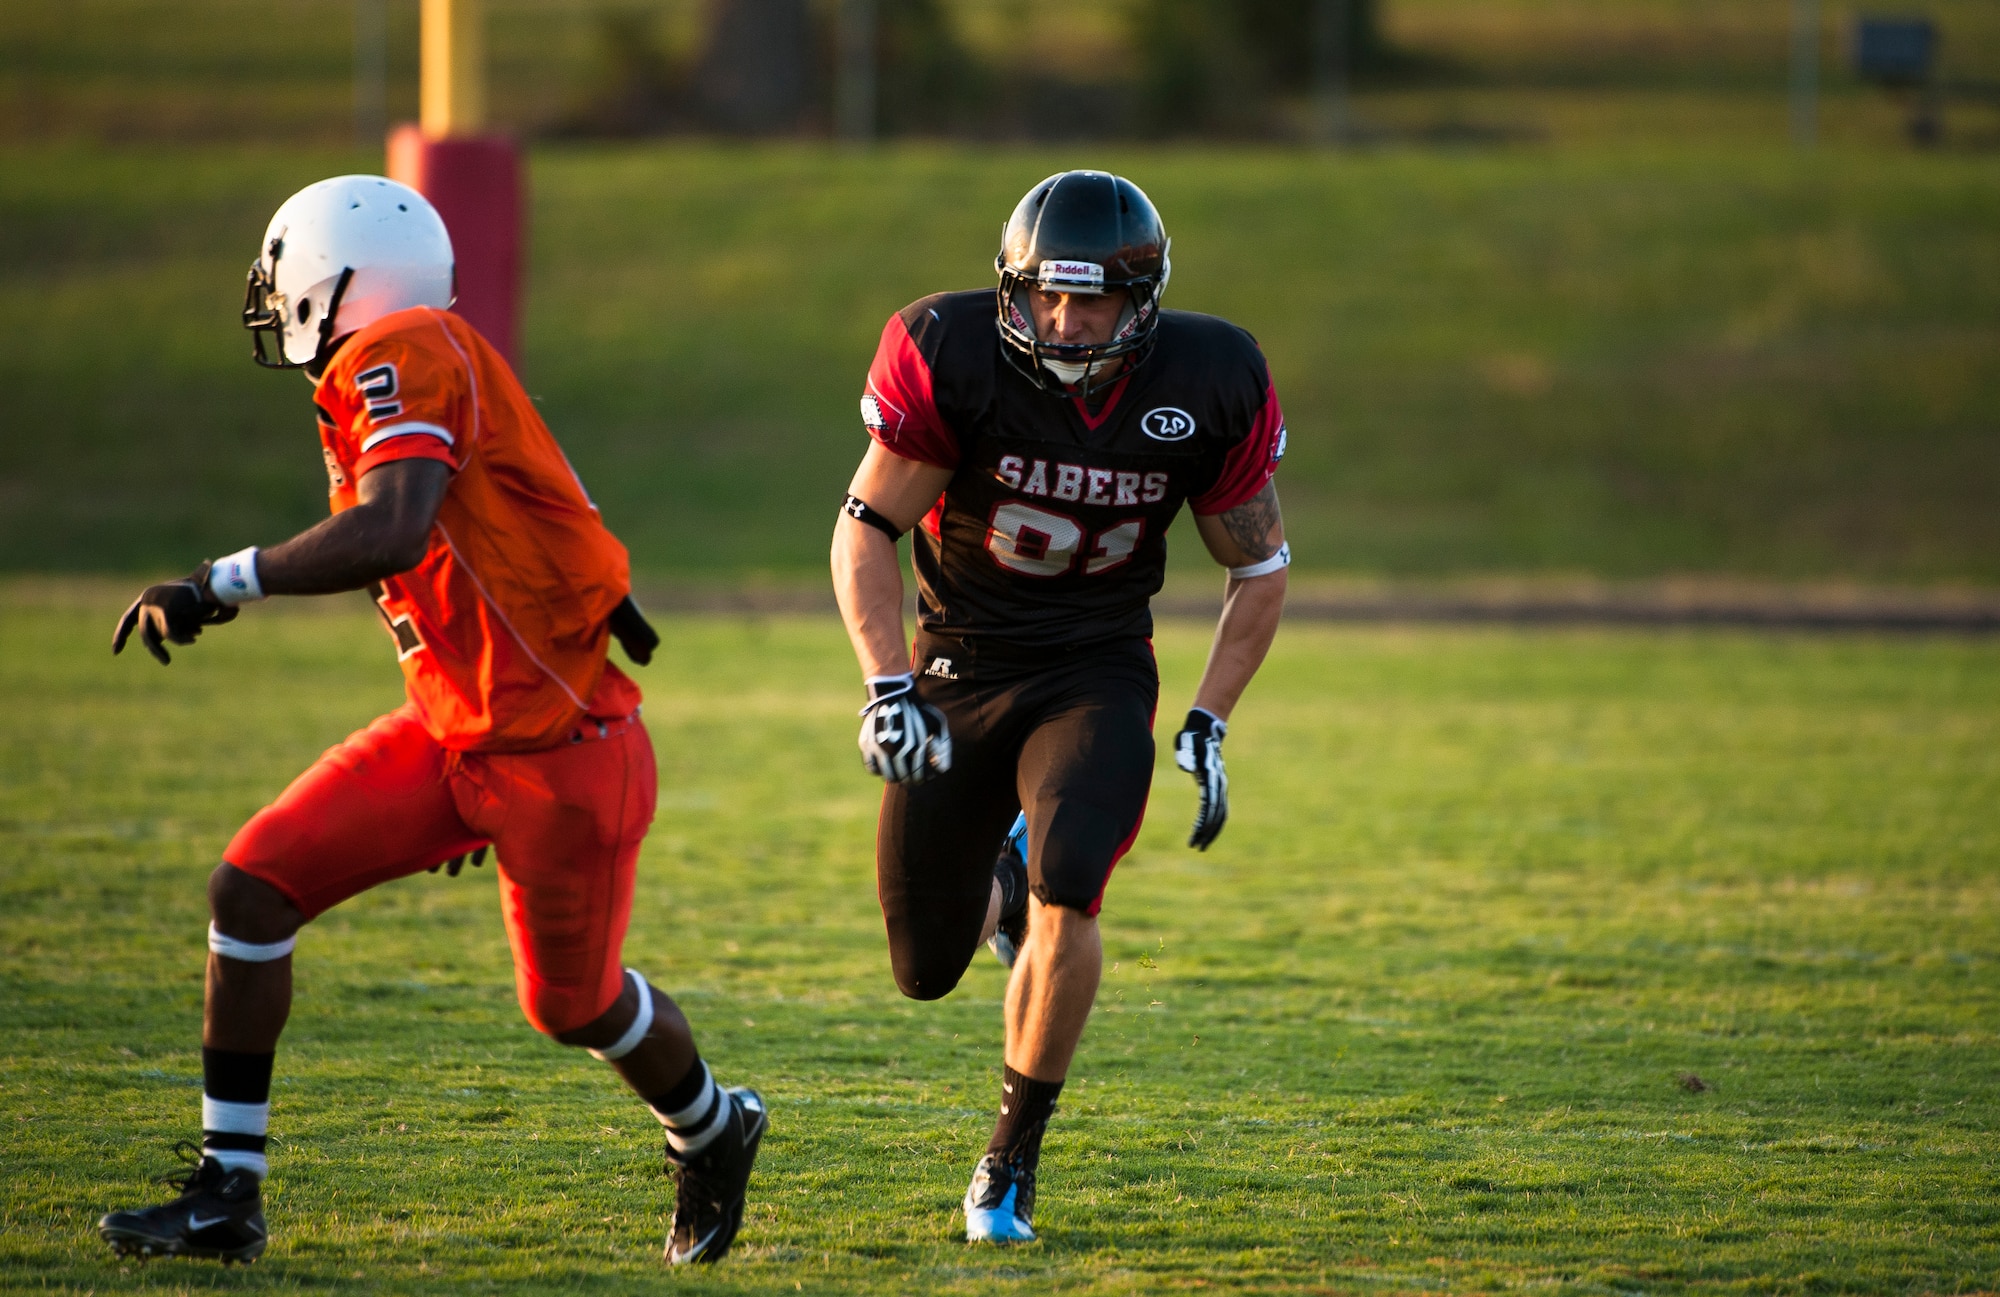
(379, 387)
(1167, 423)
(871, 414)
(1278, 451)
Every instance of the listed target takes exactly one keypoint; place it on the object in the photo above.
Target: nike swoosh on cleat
(197, 1224)
(694, 1253)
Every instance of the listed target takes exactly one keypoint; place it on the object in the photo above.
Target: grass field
(1682, 358)
(1415, 1024)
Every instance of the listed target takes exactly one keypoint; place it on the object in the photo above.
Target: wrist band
(861, 511)
(232, 579)
(1277, 562)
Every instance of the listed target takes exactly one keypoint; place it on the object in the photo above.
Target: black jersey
(1052, 531)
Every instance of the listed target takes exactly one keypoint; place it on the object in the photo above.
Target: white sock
(694, 1128)
(233, 1135)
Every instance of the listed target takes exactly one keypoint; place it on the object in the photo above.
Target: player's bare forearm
(868, 582)
(1250, 533)
(384, 534)
(1250, 613)
(867, 575)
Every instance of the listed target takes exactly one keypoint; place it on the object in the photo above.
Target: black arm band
(859, 510)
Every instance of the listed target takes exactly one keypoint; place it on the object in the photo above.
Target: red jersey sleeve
(1251, 462)
(393, 400)
(898, 406)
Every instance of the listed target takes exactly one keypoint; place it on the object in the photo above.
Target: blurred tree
(1214, 64)
(1281, 34)
(630, 86)
(1196, 70)
(754, 76)
(927, 82)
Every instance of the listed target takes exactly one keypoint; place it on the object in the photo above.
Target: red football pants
(565, 824)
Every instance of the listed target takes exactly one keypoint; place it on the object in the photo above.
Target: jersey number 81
(1039, 542)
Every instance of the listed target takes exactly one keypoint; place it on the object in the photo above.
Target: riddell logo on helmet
(1072, 274)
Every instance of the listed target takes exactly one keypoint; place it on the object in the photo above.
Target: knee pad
(557, 1010)
(559, 1013)
(1076, 857)
(927, 973)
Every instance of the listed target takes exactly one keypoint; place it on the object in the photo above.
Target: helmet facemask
(1078, 369)
(268, 313)
(1087, 233)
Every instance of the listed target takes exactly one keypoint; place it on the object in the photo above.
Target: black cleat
(1011, 872)
(220, 1214)
(709, 1186)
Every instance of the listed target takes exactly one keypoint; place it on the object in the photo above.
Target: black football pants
(1067, 738)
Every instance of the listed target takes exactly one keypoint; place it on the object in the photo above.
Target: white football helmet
(338, 256)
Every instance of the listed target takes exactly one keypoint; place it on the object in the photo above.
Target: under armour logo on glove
(903, 738)
(1198, 750)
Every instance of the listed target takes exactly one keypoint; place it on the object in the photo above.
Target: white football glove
(1198, 750)
(903, 738)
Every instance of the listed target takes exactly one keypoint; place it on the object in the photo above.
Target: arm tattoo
(1251, 523)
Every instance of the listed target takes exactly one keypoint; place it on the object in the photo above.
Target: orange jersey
(501, 630)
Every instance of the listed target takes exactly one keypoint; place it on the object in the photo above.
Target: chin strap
(322, 352)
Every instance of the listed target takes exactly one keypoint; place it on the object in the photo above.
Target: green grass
(1685, 358)
(1414, 1025)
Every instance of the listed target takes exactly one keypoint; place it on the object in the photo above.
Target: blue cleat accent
(999, 1203)
(1017, 839)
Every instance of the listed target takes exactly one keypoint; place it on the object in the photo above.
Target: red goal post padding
(476, 183)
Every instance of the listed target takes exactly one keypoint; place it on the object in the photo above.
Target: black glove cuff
(1205, 723)
(635, 634)
(199, 580)
(885, 689)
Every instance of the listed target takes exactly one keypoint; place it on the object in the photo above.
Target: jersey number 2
(1039, 542)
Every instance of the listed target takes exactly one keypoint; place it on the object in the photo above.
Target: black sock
(684, 1092)
(236, 1103)
(1025, 1108)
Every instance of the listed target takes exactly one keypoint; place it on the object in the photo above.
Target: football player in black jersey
(1041, 457)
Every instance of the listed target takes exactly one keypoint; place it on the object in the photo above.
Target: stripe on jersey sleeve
(406, 430)
(898, 406)
(1251, 463)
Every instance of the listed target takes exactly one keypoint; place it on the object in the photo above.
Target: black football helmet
(1081, 232)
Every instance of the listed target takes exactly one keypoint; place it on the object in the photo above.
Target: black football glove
(1198, 750)
(634, 631)
(457, 863)
(903, 738)
(172, 613)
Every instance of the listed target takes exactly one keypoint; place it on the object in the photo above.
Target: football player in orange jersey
(500, 586)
